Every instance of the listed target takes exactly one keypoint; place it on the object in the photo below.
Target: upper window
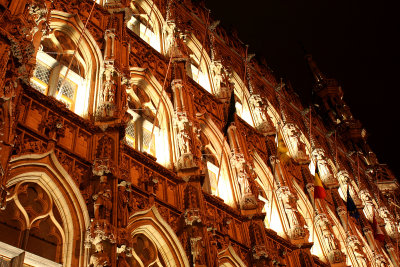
(50, 76)
(147, 27)
(243, 111)
(138, 134)
(144, 132)
(199, 74)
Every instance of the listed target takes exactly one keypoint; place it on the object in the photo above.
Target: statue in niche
(244, 183)
(299, 148)
(328, 238)
(183, 142)
(109, 87)
(103, 203)
(359, 254)
(99, 258)
(123, 205)
(216, 68)
(324, 170)
(295, 220)
(390, 226)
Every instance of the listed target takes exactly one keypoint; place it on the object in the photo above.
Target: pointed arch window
(52, 62)
(144, 26)
(144, 132)
(138, 133)
(41, 233)
(199, 72)
(243, 111)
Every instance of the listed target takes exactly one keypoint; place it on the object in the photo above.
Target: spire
(319, 77)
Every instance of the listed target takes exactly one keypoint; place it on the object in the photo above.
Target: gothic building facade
(119, 147)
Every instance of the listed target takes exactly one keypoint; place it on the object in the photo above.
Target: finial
(318, 75)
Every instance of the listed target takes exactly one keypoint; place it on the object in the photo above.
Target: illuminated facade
(113, 151)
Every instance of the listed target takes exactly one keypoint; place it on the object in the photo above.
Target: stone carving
(192, 212)
(295, 220)
(297, 147)
(390, 226)
(123, 204)
(216, 70)
(330, 242)
(52, 126)
(99, 258)
(369, 206)
(259, 250)
(106, 107)
(100, 236)
(324, 170)
(355, 245)
(102, 198)
(380, 261)
(183, 127)
(263, 121)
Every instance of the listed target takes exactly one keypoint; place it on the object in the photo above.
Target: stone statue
(123, 202)
(103, 203)
(99, 258)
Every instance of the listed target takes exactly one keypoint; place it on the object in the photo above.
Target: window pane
(130, 134)
(68, 91)
(68, 88)
(41, 77)
(42, 72)
(212, 174)
(147, 138)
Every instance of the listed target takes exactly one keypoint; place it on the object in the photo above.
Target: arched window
(145, 23)
(40, 232)
(219, 175)
(155, 243)
(241, 97)
(199, 73)
(144, 132)
(51, 68)
(139, 132)
(211, 184)
(60, 50)
(199, 64)
(145, 252)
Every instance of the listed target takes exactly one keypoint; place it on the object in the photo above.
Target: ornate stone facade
(115, 148)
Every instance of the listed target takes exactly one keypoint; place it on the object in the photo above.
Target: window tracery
(51, 69)
(57, 52)
(144, 131)
(32, 222)
(139, 132)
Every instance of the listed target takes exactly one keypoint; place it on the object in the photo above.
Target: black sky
(355, 42)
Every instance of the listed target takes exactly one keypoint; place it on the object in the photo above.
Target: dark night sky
(354, 41)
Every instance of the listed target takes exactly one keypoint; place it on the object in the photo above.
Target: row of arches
(46, 216)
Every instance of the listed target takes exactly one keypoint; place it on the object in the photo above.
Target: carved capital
(191, 216)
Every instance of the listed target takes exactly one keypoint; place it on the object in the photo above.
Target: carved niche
(324, 170)
(297, 148)
(354, 244)
(295, 221)
(263, 121)
(328, 239)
